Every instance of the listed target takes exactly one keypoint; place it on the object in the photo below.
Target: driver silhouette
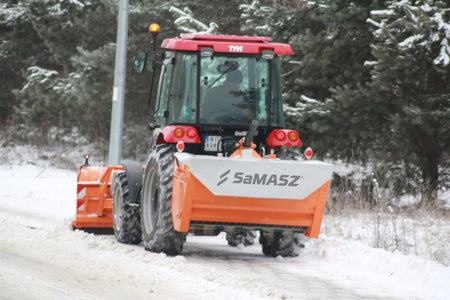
(225, 103)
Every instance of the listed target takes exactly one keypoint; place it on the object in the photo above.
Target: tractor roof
(226, 44)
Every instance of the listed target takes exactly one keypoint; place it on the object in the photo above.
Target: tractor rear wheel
(158, 233)
(235, 238)
(277, 243)
(127, 219)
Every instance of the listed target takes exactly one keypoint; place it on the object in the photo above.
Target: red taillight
(174, 133)
(191, 132)
(284, 137)
(280, 135)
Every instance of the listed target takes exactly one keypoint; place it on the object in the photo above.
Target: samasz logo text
(261, 179)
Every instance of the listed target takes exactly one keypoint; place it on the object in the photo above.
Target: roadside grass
(381, 220)
(422, 233)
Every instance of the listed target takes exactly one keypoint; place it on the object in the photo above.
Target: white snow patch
(370, 63)
(38, 74)
(376, 24)
(11, 14)
(309, 99)
(188, 23)
(265, 28)
(384, 12)
(409, 42)
(444, 53)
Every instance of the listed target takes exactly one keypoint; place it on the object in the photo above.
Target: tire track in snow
(247, 267)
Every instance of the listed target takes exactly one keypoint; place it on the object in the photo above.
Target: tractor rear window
(230, 89)
(234, 90)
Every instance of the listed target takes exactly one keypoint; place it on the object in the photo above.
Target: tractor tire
(205, 232)
(277, 243)
(158, 233)
(127, 218)
(246, 238)
(288, 154)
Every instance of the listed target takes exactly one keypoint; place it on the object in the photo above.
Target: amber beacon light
(154, 28)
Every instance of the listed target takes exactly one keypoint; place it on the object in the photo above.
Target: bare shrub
(374, 207)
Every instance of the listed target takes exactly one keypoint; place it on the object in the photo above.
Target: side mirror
(139, 62)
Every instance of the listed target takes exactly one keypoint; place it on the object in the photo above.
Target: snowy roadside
(426, 236)
(79, 265)
(41, 255)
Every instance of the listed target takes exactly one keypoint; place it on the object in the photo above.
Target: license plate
(212, 143)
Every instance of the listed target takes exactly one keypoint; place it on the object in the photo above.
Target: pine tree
(216, 16)
(370, 81)
(331, 43)
(51, 96)
(59, 62)
(411, 85)
(20, 47)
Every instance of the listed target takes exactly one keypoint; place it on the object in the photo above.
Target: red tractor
(220, 158)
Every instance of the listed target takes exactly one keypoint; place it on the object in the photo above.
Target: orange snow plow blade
(281, 204)
(94, 200)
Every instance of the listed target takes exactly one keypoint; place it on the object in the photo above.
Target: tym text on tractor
(220, 158)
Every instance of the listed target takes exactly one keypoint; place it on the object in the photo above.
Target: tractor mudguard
(134, 171)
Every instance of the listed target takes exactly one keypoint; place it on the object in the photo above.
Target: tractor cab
(224, 89)
(218, 85)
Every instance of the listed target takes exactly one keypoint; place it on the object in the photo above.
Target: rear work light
(284, 137)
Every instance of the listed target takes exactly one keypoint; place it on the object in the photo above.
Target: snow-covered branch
(10, 15)
(186, 22)
(427, 27)
(444, 54)
(38, 76)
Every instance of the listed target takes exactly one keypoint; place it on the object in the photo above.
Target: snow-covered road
(42, 258)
